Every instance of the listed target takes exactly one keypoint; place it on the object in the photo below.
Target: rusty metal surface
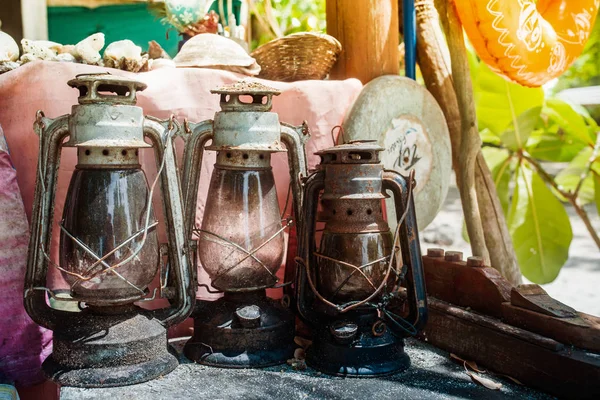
(244, 134)
(234, 97)
(78, 332)
(246, 87)
(361, 268)
(246, 130)
(222, 339)
(93, 88)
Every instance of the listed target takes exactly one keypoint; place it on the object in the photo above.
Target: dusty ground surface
(432, 376)
(578, 281)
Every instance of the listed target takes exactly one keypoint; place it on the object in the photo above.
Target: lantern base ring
(222, 340)
(110, 376)
(102, 350)
(367, 356)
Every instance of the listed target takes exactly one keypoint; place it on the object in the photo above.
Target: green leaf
(569, 178)
(552, 144)
(500, 102)
(487, 137)
(516, 135)
(539, 227)
(569, 120)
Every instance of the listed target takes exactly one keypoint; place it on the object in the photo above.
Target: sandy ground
(577, 284)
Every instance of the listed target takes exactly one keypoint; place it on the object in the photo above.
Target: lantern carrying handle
(161, 134)
(411, 251)
(52, 133)
(195, 136)
(294, 138)
(306, 247)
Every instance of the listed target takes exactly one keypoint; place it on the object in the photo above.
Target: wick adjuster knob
(343, 332)
(248, 316)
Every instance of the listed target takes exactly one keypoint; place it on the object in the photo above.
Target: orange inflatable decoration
(527, 42)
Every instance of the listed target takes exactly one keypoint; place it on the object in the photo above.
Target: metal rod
(289, 222)
(409, 27)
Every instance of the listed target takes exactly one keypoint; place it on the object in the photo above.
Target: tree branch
(570, 196)
(470, 143)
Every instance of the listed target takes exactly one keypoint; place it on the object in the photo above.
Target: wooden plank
(534, 298)
(481, 288)
(496, 325)
(368, 32)
(569, 373)
(581, 330)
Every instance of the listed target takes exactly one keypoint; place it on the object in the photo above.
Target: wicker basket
(296, 57)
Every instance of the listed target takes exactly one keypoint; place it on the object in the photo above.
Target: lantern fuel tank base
(109, 350)
(366, 357)
(245, 330)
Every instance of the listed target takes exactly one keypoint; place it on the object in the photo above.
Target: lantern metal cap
(246, 87)
(355, 152)
(106, 120)
(230, 96)
(92, 88)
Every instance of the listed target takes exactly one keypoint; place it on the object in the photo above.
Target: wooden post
(35, 19)
(10, 14)
(368, 32)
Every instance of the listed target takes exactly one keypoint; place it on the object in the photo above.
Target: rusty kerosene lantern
(109, 250)
(241, 243)
(350, 289)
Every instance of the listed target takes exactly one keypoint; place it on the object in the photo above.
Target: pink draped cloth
(182, 92)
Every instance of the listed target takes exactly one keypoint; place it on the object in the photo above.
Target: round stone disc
(405, 119)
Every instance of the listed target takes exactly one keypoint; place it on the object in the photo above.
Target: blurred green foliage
(290, 16)
(585, 71)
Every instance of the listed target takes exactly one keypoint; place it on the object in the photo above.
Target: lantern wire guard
(240, 243)
(110, 341)
(375, 276)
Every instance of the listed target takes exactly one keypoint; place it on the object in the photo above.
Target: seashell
(40, 49)
(6, 66)
(155, 51)
(88, 50)
(9, 49)
(208, 50)
(125, 55)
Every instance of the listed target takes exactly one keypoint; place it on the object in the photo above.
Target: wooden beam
(533, 359)
(35, 19)
(368, 32)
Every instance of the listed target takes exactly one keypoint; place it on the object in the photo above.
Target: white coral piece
(40, 49)
(88, 50)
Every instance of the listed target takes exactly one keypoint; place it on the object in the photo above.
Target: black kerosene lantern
(109, 249)
(353, 288)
